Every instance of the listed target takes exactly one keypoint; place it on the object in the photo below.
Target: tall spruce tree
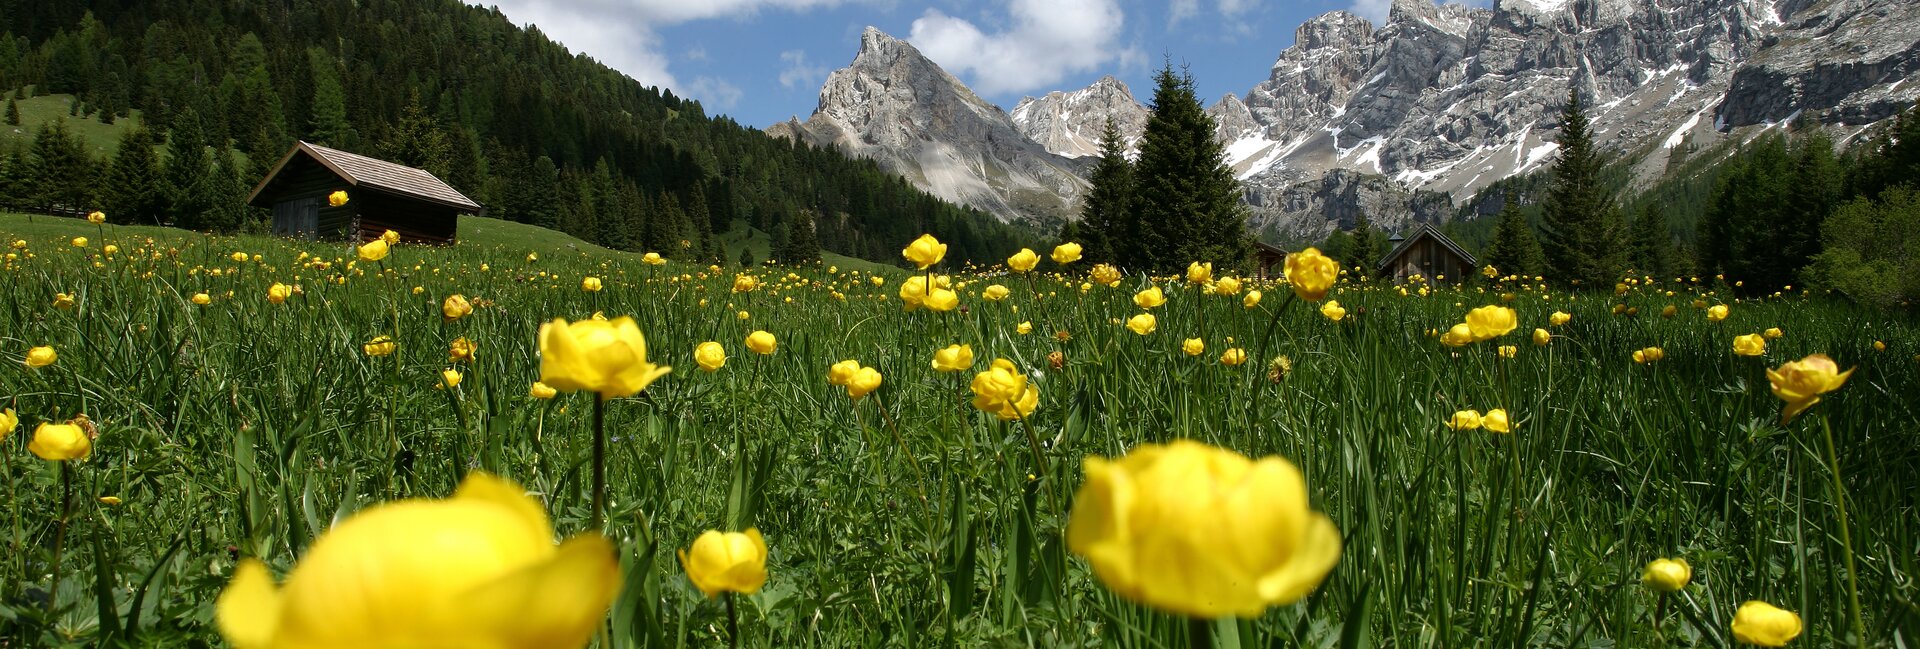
(1368, 245)
(1104, 227)
(803, 242)
(134, 193)
(327, 123)
(1514, 250)
(1583, 237)
(62, 171)
(13, 112)
(1185, 196)
(186, 182)
(1652, 242)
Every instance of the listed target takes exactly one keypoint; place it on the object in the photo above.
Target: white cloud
(1044, 42)
(798, 73)
(695, 53)
(1179, 10)
(714, 92)
(1374, 10)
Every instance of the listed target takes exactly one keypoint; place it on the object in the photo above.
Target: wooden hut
(381, 196)
(1428, 253)
(1268, 261)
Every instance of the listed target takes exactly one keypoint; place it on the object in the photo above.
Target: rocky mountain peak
(1334, 29)
(1071, 123)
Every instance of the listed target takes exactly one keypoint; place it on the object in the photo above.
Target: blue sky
(762, 61)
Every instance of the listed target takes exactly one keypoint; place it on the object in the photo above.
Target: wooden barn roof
(1425, 230)
(362, 171)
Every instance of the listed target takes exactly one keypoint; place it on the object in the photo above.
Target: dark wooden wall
(415, 220)
(304, 177)
(368, 213)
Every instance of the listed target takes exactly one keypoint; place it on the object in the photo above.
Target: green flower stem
(1846, 538)
(60, 533)
(600, 464)
(733, 623)
(1199, 633)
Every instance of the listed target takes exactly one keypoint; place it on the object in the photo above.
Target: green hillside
(100, 139)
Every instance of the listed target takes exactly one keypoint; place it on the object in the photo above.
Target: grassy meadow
(908, 518)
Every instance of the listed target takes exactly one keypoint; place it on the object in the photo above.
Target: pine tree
(1102, 229)
(1185, 198)
(803, 244)
(1368, 245)
(417, 140)
(226, 194)
(62, 172)
(327, 123)
(1583, 238)
(1514, 250)
(186, 173)
(13, 112)
(1652, 243)
(134, 193)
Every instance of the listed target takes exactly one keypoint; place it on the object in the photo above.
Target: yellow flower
(1465, 420)
(1066, 253)
(842, 372)
(1024, 328)
(1333, 311)
(1311, 273)
(60, 442)
(1541, 337)
(337, 198)
(96, 217)
(41, 356)
(62, 301)
(1459, 336)
(653, 259)
(541, 391)
(373, 251)
(392, 238)
(1150, 298)
(742, 316)
(1496, 420)
(1251, 300)
(1490, 322)
(1669, 311)
(1879, 346)
(761, 342)
(941, 300)
(1490, 272)
(1226, 286)
(995, 292)
(1648, 355)
(1716, 313)
(1023, 261)
(380, 346)
(1003, 391)
(79, 242)
(1233, 357)
(954, 358)
(1800, 383)
(1194, 346)
(1509, 351)
(201, 299)
(1558, 318)
(710, 356)
(1142, 324)
(450, 377)
(1763, 624)
(607, 357)
(743, 283)
(925, 251)
(278, 293)
(455, 307)
(8, 422)
(877, 280)
(1749, 345)
(1105, 274)
(462, 349)
(1666, 575)
(1201, 531)
(733, 562)
(1199, 273)
(1772, 333)
(476, 570)
(590, 284)
(110, 501)
(863, 382)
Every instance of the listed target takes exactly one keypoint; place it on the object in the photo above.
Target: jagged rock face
(894, 105)
(1845, 60)
(1070, 123)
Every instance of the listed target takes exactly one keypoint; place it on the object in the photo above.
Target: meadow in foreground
(207, 429)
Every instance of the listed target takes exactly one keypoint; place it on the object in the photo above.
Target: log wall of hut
(299, 201)
(1429, 258)
(415, 220)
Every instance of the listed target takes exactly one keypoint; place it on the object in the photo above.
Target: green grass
(101, 139)
(245, 428)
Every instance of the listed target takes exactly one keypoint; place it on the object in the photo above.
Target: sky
(762, 61)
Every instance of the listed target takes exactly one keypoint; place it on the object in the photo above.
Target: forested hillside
(504, 114)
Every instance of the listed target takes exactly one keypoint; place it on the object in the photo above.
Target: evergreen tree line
(1176, 204)
(502, 113)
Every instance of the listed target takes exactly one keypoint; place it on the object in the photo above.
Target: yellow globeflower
(732, 562)
(1199, 273)
(541, 391)
(1496, 420)
(1194, 346)
(607, 357)
(761, 342)
(462, 349)
(1716, 313)
(1233, 357)
(8, 422)
(590, 284)
(1023, 261)
(337, 198)
(1559, 318)
(995, 292)
(96, 217)
(1648, 355)
(60, 442)
(1066, 253)
(1879, 345)
(842, 372)
(1201, 531)
(653, 259)
(925, 251)
(1490, 322)
(479, 569)
(1800, 383)
(1763, 624)
(1460, 335)
(79, 242)
(455, 307)
(392, 238)
(743, 283)
(1251, 300)
(955, 358)
(1772, 333)
(1142, 324)
(41, 356)
(62, 301)
(941, 300)
(1003, 391)
(1333, 311)
(1509, 351)
(278, 293)
(1666, 575)
(380, 346)
(1541, 337)
(710, 356)
(1150, 298)
(240, 257)
(1024, 328)
(1105, 274)
(1465, 420)
(201, 299)
(373, 251)
(1749, 345)
(450, 378)
(1311, 274)
(863, 382)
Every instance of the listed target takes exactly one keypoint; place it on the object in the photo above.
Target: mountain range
(1407, 119)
